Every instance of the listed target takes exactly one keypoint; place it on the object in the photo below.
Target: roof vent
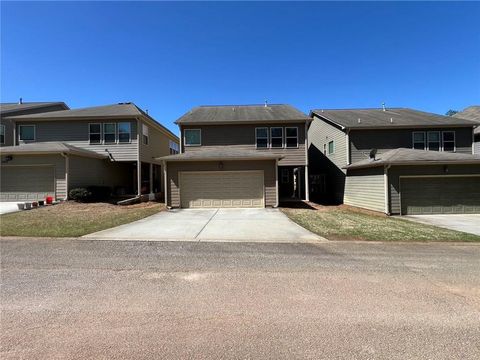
(20, 101)
(383, 107)
(266, 103)
(391, 120)
(372, 154)
(359, 121)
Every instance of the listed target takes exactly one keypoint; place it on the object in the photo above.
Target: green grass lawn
(345, 224)
(71, 219)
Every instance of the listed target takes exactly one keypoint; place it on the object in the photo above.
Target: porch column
(307, 190)
(276, 183)
(139, 178)
(151, 178)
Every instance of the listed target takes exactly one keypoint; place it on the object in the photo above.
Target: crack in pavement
(204, 226)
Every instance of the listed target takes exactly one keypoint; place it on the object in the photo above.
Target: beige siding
(56, 161)
(477, 145)
(243, 137)
(268, 167)
(75, 132)
(158, 144)
(321, 133)
(366, 189)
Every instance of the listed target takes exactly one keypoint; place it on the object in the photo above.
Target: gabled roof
(471, 113)
(402, 156)
(228, 114)
(222, 154)
(389, 118)
(49, 148)
(8, 108)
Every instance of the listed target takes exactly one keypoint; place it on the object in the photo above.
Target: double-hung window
(261, 138)
(276, 137)
(95, 133)
(145, 134)
(291, 137)
(2, 134)
(419, 140)
(433, 140)
(448, 140)
(124, 132)
(174, 148)
(26, 132)
(331, 147)
(193, 137)
(109, 133)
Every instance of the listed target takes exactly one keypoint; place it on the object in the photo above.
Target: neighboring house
(113, 145)
(397, 161)
(472, 113)
(22, 108)
(239, 156)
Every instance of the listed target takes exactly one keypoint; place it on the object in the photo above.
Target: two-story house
(114, 145)
(238, 156)
(397, 161)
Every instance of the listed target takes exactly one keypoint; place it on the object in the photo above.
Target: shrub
(80, 194)
(99, 193)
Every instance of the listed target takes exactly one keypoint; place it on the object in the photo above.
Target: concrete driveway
(244, 225)
(8, 207)
(469, 223)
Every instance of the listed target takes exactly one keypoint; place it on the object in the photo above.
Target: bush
(80, 194)
(99, 193)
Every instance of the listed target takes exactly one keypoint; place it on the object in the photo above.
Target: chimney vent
(391, 120)
(383, 107)
(266, 103)
(359, 121)
(20, 101)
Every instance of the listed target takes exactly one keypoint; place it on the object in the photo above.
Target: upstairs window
(261, 138)
(144, 134)
(433, 139)
(419, 140)
(124, 132)
(174, 148)
(2, 134)
(331, 147)
(448, 138)
(95, 133)
(192, 137)
(109, 133)
(276, 137)
(26, 132)
(291, 137)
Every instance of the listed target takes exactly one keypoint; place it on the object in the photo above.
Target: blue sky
(169, 57)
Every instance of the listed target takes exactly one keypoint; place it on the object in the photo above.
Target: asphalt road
(151, 300)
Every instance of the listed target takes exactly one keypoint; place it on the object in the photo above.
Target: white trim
(307, 188)
(185, 137)
(439, 140)
(4, 130)
(276, 137)
(34, 132)
(277, 200)
(454, 140)
(424, 139)
(347, 139)
(291, 137)
(256, 143)
(105, 133)
(387, 197)
(165, 179)
(328, 147)
(100, 133)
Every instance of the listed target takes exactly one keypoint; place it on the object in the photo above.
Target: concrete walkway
(236, 225)
(469, 223)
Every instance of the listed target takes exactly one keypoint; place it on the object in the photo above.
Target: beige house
(238, 156)
(114, 145)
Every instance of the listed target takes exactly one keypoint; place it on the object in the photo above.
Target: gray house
(239, 156)
(52, 152)
(397, 161)
(472, 113)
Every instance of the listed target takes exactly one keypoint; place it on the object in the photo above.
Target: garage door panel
(440, 195)
(225, 189)
(27, 183)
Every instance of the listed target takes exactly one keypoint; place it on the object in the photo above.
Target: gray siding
(243, 137)
(477, 145)
(362, 141)
(57, 161)
(75, 132)
(267, 166)
(366, 188)
(158, 144)
(395, 172)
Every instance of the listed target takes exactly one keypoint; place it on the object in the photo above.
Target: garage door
(221, 189)
(440, 195)
(21, 183)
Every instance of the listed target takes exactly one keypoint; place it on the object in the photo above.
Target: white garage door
(23, 183)
(222, 189)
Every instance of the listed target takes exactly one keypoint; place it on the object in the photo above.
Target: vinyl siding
(362, 141)
(173, 168)
(366, 188)
(158, 144)
(395, 172)
(57, 161)
(75, 132)
(477, 145)
(243, 137)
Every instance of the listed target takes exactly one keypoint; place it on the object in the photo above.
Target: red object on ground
(49, 200)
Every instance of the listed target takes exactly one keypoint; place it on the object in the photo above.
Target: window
(433, 140)
(193, 137)
(331, 147)
(291, 137)
(419, 140)
(27, 132)
(324, 149)
(448, 138)
(2, 134)
(261, 138)
(145, 134)
(124, 132)
(95, 133)
(174, 148)
(109, 133)
(276, 137)
(285, 176)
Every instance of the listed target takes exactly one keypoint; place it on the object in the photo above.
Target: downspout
(67, 169)
(14, 133)
(307, 188)
(347, 139)
(276, 182)
(473, 139)
(181, 140)
(387, 198)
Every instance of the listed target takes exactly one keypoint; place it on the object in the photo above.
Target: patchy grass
(71, 219)
(342, 223)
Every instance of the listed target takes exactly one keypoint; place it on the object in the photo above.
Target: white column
(139, 178)
(307, 189)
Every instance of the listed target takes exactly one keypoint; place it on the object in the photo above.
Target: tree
(451, 112)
